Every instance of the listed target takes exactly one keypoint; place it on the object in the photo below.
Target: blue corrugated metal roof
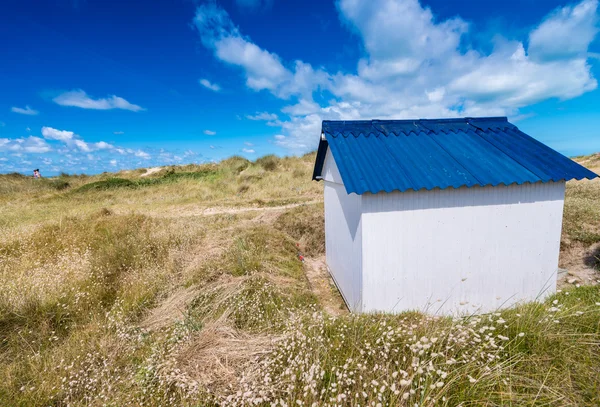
(387, 155)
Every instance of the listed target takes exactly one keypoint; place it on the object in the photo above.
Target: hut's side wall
(343, 235)
(461, 250)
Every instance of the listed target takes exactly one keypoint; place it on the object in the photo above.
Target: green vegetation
(183, 287)
(110, 183)
(115, 183)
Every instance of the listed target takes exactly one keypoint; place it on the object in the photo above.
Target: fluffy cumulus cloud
(414, 65)
(73, 142)
(79, 98)
(264, 70)
(55, 134)
(209, 85)
(31, 144)
(24, 110)
(566, 33)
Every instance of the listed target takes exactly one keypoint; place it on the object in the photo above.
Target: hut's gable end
(343, 232)
(343, 242)
(330, 170)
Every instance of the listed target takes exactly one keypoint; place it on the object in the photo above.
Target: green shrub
(110, 183)
(59, 184)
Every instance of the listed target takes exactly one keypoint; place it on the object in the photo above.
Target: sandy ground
(579, 266)
(323, 287)
(151, 171)
(194, 210)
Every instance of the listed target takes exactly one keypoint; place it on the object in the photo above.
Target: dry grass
(183, 288)
(219, 354)
(580, 243)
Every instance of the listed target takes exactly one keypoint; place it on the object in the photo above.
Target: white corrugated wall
(459, 250)
(343, 235)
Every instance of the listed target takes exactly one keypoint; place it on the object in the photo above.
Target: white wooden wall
(460, 250)
(343, 235)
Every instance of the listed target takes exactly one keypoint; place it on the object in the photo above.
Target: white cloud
(248, 150)
(79, 98)
(113, 162)
(74, 141)
(37, 145)
(101, 145)
(263, 69)
(82, 145)
(249, 144)
(26, 110)
(142, 154)
(208, 85)
(302, 108)
(118, 133)
(565, 33)
(262, 116)
(31, 144)
(210, 132)
(55, 134)
(279, 137)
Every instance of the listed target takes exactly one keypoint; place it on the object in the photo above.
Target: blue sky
(101, 85)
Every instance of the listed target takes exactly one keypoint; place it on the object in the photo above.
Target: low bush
(59, 184)
(107, 184)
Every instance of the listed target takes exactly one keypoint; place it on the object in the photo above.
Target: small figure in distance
(36, 173)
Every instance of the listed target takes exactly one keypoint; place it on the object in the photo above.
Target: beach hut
(448, 216)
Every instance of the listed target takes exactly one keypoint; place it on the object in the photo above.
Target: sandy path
(196, 211)
(151, 171)
(323, 287)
